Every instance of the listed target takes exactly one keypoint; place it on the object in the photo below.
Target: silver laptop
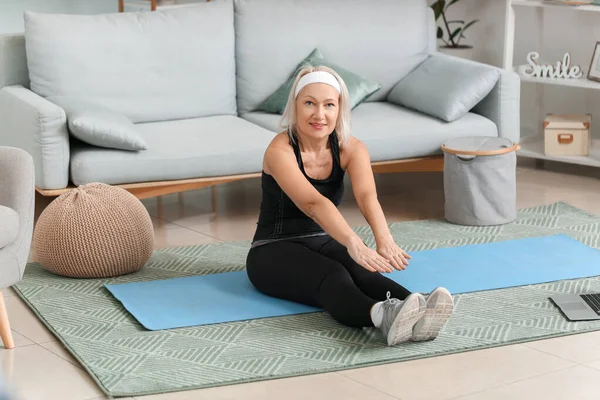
(578, 307)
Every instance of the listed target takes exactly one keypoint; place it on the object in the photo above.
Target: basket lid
(567, 121)
(479, 146)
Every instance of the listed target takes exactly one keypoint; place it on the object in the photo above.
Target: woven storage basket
(480, 180)
(94, 231)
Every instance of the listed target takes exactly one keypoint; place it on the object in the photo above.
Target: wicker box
(567, 134)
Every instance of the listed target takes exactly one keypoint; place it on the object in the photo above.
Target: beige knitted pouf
(94, 231)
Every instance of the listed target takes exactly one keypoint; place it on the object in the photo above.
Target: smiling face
(317, 109)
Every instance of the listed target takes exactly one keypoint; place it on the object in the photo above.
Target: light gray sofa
(17, 205)
(191, 80)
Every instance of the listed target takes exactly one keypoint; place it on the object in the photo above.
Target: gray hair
(342, 126)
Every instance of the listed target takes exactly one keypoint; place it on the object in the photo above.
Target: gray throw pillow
(445, 87)
(100, 126)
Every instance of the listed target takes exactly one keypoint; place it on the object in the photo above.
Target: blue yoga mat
(227, 297)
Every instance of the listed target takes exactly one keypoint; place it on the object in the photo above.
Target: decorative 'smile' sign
(562, 69)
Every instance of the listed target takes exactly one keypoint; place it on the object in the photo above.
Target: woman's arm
(364, 189)
(282, 165)
(365, 193)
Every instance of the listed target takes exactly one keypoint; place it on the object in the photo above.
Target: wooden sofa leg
(5, 332)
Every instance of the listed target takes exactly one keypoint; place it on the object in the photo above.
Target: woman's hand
(368, 258)
(394, 255)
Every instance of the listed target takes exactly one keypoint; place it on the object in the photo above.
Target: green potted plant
(450, 32)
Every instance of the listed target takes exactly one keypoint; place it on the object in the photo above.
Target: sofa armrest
(503, 105)
(32, 123)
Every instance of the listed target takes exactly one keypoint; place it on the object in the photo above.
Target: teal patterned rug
(126, 360)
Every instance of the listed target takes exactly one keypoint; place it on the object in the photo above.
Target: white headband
(317, 77)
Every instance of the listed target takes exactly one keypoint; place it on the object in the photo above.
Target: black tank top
(279, 217)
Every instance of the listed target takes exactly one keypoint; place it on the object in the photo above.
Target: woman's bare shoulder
(280, 141)
(353, 146)
(279, 147)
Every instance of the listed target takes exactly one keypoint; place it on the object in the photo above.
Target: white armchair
(17, 198)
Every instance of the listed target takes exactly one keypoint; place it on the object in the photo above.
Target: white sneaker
(399, 317)
(440, 306)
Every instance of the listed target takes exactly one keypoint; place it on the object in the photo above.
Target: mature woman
(304, 250)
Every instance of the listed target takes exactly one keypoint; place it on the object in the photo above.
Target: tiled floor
(563, 368)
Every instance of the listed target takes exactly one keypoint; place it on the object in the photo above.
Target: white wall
(94, 6)
(11, 12)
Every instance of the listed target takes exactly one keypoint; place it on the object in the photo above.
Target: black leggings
(319, 272)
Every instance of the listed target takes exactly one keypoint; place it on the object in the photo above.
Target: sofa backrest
(382, 40)
(163, 65)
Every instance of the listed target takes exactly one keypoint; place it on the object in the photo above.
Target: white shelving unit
(578, 83)
(533, 146)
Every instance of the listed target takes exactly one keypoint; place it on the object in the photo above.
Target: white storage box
(567, 134)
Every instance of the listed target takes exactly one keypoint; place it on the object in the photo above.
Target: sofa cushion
(359, 88)
(265, 120)
(9, 226)
(445, 87)
(100, 126)
(382, 40)
(393, 132)
(150, 66)
(185, 149)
